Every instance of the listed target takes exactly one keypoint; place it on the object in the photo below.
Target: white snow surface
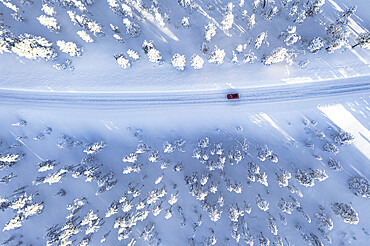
(157, 155)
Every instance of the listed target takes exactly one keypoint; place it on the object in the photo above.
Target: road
(86, 100)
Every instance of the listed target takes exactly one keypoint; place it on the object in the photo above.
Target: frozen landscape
(116, 129)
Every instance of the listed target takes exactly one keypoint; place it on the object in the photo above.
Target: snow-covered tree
(261, 203)
(338, 32)
(346, 212)
(304, 178)
(154, 55)
(132, 157)
(263, 240)
(95, 148)
(316, 44)
(154, 156)
(335, 165)
(359, 186)
(283, 178)
(214, 213)
(217, 56)
(290, 36)
(210, 31)
(55, 177)
(85, 36)
(185, 22)
(8, 160)
(86, 23)
(197, 62)
(49, 10)
(178, 61)
(28, 46)
(344, 138)
(324, 221)
(286, 206)
(49, 22)
(46, 165)
(122, 61)
(279, 54)
(14, 223)
(70, 48)
(228, 18)
(132, 28)
(331, 148)
(133, 54)
(261, 38)
(363, 40)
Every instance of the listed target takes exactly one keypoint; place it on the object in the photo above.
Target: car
(233, 96)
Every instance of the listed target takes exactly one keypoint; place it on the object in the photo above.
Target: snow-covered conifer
(346, 212)
(49, 10)
(261, 203)
(70, 48)
(290, 36)
(344, 138)
(157, 209)
(210, 31)
(214, 213)
(316, 44)
(14, 223)
(338, 32)
(122, 61)
(283, 178)
(55, 177)
(132, 157)
(95, 148)
(285, 206)
(261, 38)
(335, 165)
(272, 226)
(33, 47)
(185, 22)
(86, 23)
(324, 221)
(331, 148)
(197, 62)
(46, 165)
(178, 61)
(263, 240)
(304, 178)
(49, 22)
(85, 36)
(133, 54)
(217, 56)
(132, 28)
(154, 55)
(277, 55)
(363, 40)
(228, 18)
(359, 186)
(154, 156)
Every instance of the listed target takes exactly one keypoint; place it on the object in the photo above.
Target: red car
(233, 96)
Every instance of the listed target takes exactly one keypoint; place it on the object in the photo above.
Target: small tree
(178, 61)
(346, 212)
(363, 40)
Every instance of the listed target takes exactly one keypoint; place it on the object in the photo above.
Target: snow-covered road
(253, 95)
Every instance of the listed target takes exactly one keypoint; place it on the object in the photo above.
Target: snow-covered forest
(286, 178)
(214, 31)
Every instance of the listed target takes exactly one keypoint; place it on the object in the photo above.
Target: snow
(150, 155)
